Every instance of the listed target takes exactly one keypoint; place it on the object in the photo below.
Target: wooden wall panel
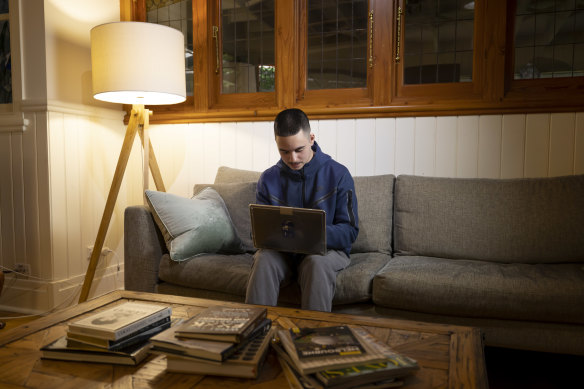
(327, 136)
(537, 139)
(579, 144)
(346, 144)
(365, 146)
(446, 146)
(404, 145)
(384, 149)
(7, 250)
(513, 146)
(467, 146)
(489, 152)
(562, 132)
(425, 146)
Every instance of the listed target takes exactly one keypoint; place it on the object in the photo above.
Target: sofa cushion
(534, 220)
(469, 288)
(354, 283)
(375, 201)
(193, 226)
(237, 198)
(229, 175)
(216, 272)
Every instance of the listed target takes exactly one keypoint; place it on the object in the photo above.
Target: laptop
(288, 229)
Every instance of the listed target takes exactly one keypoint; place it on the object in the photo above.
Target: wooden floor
(506, 369)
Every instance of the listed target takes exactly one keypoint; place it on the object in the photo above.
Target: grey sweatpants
(316, 274)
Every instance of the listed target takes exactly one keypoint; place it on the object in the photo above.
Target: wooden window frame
(491, 91)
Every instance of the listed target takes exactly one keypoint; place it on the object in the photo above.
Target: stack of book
(219, 340)
(118, 335)
(339, 357)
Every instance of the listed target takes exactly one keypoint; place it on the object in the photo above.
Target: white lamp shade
(138, 63)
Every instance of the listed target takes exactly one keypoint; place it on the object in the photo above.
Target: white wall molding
(32, 296)
(72, 109)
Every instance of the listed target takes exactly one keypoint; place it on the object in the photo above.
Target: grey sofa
(503, 255)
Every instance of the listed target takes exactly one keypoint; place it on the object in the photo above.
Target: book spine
(251, 327)
(124, 331)
(140, 324)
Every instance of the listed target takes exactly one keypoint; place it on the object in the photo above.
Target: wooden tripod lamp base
(139, 120)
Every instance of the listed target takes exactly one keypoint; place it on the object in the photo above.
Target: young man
(308, 178)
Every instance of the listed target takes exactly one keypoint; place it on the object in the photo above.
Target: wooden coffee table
(449, 356)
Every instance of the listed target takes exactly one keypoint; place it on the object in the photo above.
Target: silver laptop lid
(288, 229)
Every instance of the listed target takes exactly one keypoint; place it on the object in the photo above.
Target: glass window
(5, 59)
(247, 34)
(337, 44)
(177, 14)
(438, 41)
(549, 39)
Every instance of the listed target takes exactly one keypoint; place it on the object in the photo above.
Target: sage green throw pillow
(194, 226)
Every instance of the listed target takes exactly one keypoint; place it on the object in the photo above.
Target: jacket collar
(318, 159)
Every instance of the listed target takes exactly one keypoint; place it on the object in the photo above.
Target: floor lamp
(140, 64)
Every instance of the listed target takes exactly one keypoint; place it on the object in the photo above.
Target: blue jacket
(322, 183)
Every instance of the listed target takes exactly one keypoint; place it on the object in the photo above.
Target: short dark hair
(290, 122)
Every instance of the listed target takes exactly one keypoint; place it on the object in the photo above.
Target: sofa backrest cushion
(531, 220)
(229, 175)
(237, 197)
(375, 202)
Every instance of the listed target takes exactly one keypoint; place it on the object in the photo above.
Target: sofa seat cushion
(469, 288)
(229, 274)
(221, 273)
(354, 283)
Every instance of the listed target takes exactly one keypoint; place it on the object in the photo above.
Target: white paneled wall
(55, 176)
(490, 146)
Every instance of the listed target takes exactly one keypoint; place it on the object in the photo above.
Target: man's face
(296, 150)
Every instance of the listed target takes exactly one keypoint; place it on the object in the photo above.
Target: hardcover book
(142, 335)
(61, 349)
(245, 363)
(222, 323)
(313, 364)
(120, 321)
(168, 343)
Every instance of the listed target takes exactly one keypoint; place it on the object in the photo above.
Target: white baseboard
(37, 297)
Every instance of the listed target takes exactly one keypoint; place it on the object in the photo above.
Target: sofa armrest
(143, 247)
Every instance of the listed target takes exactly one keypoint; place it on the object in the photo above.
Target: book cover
(309, 365)
(120, 321)
(60, 349)
(245, 363)
(142, 335)
(325, 341)
(395, 366)
(222, 323)
(168, 343)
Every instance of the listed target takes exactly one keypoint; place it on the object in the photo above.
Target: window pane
(438, 43)
(5, 64)
(177, 14)
(247, 33)
(548, 39)
(337, 44)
